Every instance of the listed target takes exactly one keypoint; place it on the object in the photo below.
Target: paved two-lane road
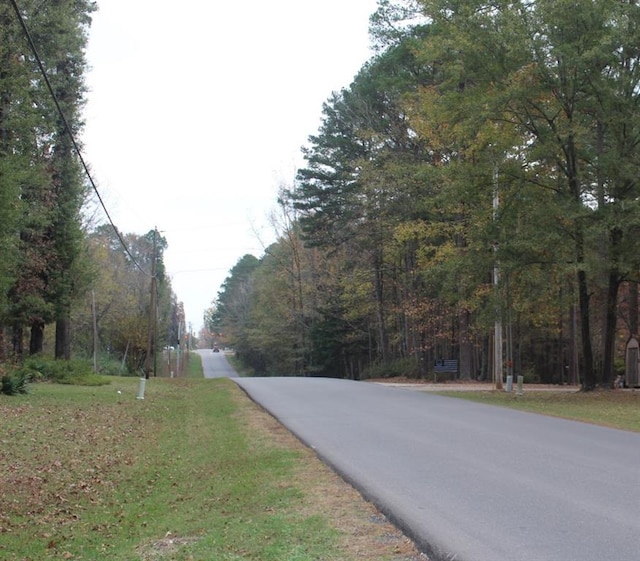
(471, 482)
(215, 365)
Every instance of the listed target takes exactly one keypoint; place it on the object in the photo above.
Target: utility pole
(497, 332)
(179, 348)
(152, 309)
(95, 330)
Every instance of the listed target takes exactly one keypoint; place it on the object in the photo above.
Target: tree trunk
(610, 328)
(466, 348)
(574, 376)
(17, 341)
(63, 338)
(4, 345)
(379, 291)
(588, 378)
(633, 308)
(611, 306)
(36, 340)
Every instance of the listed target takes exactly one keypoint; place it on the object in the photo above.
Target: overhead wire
(36, 55)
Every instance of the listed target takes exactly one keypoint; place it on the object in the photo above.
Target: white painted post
(141, 387)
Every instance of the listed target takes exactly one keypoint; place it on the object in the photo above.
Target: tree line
(481, 170)
(60, 269)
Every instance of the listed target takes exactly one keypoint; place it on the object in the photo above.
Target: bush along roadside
(41, 369)
(15, 383)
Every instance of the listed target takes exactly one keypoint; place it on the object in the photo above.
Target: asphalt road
(467, 481)
(215, 365)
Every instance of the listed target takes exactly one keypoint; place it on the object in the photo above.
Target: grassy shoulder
(195, 471)
(616, 409)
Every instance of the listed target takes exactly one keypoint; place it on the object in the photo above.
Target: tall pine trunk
(379, 293)
(17, 341)
(63, 337)
(611, 317)
(466, 347)
(588, 374)
(633, 308)
(36, 340)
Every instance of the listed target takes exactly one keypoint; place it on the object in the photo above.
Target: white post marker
(143, 382)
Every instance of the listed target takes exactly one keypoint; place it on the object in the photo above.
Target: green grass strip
(616, 409)
(94, 473)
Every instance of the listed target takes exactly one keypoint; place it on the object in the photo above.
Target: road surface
(215, 365)
(468, 481)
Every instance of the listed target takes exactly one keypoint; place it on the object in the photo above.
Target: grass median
(195, 471)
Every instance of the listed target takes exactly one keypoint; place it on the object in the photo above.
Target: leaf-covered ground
(194, 472)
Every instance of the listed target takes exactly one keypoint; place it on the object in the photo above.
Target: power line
(73, 140)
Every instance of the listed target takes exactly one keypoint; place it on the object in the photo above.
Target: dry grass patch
(159, 550)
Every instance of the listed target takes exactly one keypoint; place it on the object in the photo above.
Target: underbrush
(15, 383)
(75, 372)
(405, 367)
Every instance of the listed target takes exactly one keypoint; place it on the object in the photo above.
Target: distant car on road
(216, 350)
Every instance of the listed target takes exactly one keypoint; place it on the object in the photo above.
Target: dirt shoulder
(462, 385)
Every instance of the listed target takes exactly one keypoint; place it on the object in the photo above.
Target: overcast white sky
(196, 114)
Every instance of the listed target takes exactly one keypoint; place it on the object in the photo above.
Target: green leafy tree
(22, 179)
(51, 271)
(542, 72)
(363, 179)
(481, 168)
(60, 33)
(233, 311)
(120, 298)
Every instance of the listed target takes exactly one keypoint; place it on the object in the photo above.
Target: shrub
(406, 367)
(530, 376)
(15, 383)
(112, 367)
(75, 372)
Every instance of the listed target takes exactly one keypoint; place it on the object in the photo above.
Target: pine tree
(51, 228)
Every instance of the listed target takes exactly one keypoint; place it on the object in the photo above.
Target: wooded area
(471, 197)
(60, 268)
(477, 182)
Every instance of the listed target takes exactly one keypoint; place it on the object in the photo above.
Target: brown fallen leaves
(53, 464)
(58, 463)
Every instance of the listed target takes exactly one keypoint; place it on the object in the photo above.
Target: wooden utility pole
(497, 331)
(95, 330)
(152, 310)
